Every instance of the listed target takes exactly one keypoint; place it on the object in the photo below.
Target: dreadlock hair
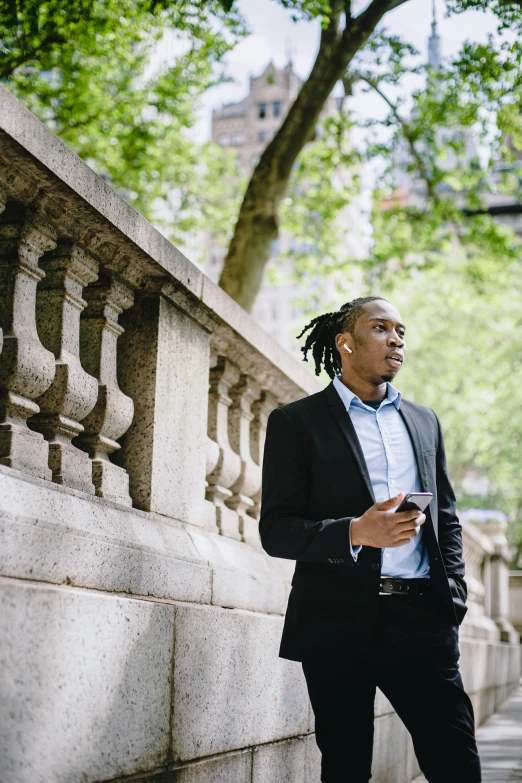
(321, 340)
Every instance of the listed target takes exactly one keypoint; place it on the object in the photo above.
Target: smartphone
(414, 501)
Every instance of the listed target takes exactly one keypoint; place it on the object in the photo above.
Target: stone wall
(140, 617)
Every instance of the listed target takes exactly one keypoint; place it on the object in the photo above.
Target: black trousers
(412, 657)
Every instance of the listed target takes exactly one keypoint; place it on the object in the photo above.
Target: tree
(343, 38)
(87, 70)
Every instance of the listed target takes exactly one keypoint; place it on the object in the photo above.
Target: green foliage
(87, 70)
(323, 185)
(472, 104)
(464, 360)
(506, 11)
(307, 9)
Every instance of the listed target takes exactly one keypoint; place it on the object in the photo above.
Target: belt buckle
(387, 587)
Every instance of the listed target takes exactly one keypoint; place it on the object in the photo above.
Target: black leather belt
(389, 586)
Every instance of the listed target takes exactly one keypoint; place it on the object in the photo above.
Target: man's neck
(365, 390)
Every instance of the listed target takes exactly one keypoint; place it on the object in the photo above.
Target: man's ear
(343, 343)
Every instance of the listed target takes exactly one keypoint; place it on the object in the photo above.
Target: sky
(274, 35)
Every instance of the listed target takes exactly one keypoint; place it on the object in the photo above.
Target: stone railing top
(48, 176)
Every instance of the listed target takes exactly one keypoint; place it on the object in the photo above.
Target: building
(250, 124)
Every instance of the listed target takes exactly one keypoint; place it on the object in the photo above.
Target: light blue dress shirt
(391, 463)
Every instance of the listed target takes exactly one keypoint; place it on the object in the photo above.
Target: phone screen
(414, 501)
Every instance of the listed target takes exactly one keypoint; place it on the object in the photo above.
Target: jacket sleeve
(450, 530)
(284, 528)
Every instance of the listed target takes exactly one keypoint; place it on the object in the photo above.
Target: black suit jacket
(315, 480)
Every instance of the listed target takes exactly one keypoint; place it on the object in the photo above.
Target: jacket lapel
(344, 422)
(408, 418)
(413, 431)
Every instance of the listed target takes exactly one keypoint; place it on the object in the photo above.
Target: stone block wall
(140, 618)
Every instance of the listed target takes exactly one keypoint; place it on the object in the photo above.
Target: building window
(224, 139)
(261, 113)
(238, 139)
(262, 136)
(277, 108)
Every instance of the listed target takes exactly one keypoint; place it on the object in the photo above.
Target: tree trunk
(257, 223)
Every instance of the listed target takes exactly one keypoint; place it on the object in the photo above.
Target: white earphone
(348, 349)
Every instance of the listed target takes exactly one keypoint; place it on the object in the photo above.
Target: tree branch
(368, 19)
(406, 132)
(330, 33)
(50, 39)
(397, 3)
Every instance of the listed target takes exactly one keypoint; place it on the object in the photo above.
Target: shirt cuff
(354, 550)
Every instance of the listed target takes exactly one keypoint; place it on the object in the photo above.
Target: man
(376, 597)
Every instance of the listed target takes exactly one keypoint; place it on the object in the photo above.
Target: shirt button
(375, 566)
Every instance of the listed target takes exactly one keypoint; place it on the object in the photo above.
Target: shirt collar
(349, 398)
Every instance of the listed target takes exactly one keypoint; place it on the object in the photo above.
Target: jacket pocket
(459, 595)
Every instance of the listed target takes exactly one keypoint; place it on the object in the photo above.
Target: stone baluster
(261, 410)
(113, 412)
(26, 367)
(73, 393)
(228, 467)
(248, 482)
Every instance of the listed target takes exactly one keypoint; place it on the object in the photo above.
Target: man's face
(378, 346)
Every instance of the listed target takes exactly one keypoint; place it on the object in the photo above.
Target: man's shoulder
(419, 411)
(305, 406)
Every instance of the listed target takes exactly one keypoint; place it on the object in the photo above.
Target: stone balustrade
(487, 559)
(104, 359)
(140, 618)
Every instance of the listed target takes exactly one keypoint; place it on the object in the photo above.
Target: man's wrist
(354, 540)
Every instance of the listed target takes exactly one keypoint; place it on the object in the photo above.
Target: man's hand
(378, 528)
